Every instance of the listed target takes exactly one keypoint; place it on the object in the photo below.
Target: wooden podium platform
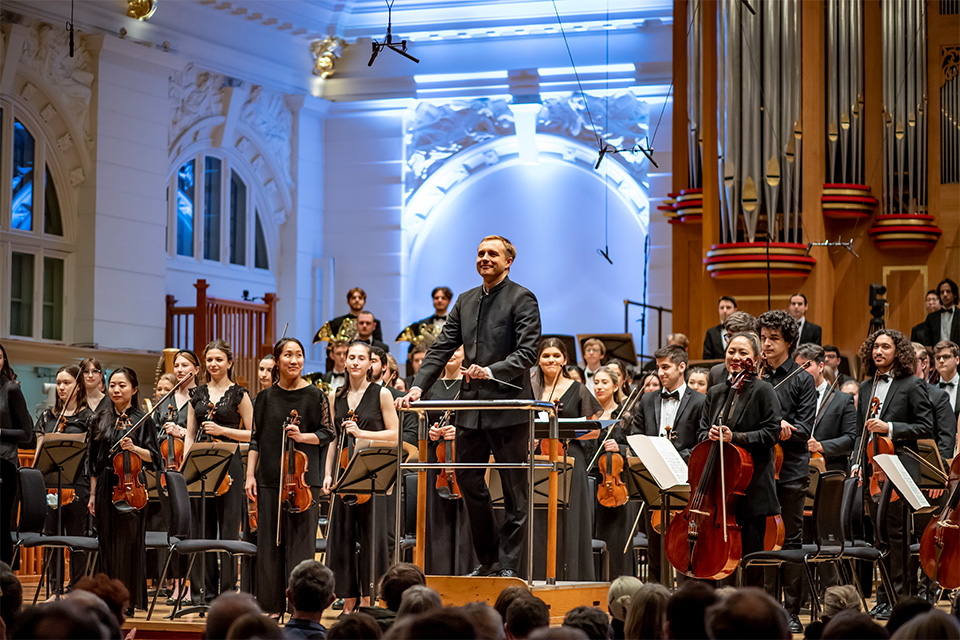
(560, 597)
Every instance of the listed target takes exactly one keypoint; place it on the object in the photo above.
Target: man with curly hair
(798, 403)
(905, 415)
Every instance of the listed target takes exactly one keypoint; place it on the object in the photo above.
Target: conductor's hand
(715, 432)
(404, 402)
(476, 372)
(250, 486)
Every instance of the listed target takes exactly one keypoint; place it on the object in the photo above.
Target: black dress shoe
(337, 604)
(795, 625)
(508, 573)
(483, 570)
(883, 613)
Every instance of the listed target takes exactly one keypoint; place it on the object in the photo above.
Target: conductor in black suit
(498, 325)
(808, 331)
(945, 323)
(674, 413)
(905, 416)
(715, 341)
(834, 431)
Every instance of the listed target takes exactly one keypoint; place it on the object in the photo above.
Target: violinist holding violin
(289, 392)
(69, 414)
(753, 424)
(121, 533)
(903, 414)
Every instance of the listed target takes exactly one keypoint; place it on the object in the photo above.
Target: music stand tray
(570, 428)
(541, 481)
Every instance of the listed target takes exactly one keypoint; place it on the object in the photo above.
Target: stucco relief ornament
(194, 95)
(46, 52)
(326, 52)
(265, 112)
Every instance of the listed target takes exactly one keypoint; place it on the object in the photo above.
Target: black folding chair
(862, 550)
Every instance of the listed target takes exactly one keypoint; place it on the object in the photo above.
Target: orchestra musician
(71, 410)
(366, 324)
(16, 428)
(95, 383)
(551, 384)
(753, 424)
(336, 376)
(798, 404)
(229, 419)
(363, 416)
(594, 351)
(697, 379)
(356, 300)
(122, 535)
(715, 340)
(288, 392)
(905, 415)
(498, 324)
(835, 430)
(265, 374)
(736, 322)
(673, 413)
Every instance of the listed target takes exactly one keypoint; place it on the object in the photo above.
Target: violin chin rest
(123, 506)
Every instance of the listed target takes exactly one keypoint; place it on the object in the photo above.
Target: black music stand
(371, 472)
(203, 469)
(59, 458)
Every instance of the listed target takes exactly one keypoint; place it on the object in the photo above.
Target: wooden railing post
(200, 338)
(168, 332)
(270, 322)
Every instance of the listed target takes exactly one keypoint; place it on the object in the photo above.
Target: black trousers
(508, 444)
(298, 540)
(792, 494)
(123, 554)
(897, 539)
(350, 524)
(224, 516)
(9, 488)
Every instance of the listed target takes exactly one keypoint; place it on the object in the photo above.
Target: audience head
(725, 307)
(110, 590)
(747, 613)
(108, 621)
(224, 610)
(396, 580)
(12, 600)
(738, 322)
(698, 379)
(355, 626)
(907, 608)
(687, 610)
(254, 625)
(526, 613)
(591, 620)
(853, 625)
(558, 633)
(933, 624)
(441, 624)
(619, 594)
(418, 599)
(839, 598)
(67, 618)
(647, 612)
(485, 620)
(507, 596)
(310, 587)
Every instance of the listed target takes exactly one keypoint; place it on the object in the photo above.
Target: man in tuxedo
(356, 299)
(672, 413)
(715, 341)
(919, 332)
(944, 419)
(736, 322)
(905, 415)
(336, 376)
(831, 358)
(834, 432)
(366, 327)
(946, 357)
(498, 324)
(944, 324)
(798, 404)
(593, 353)
(807, 331)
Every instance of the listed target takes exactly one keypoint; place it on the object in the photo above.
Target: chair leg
(814, 596)
(156, 592)
(856, 583)
(887, 582)
(43, 573)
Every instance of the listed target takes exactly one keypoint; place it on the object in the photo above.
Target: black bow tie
(666, 395)
(338, 375)
(950, 310)
(944, 385)
(883, 378)
(590, 373)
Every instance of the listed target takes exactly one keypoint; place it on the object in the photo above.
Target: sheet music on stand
(902, 480)
(661, 459)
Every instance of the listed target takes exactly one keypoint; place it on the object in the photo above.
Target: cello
(704, 540)
(129, 494)
(940, 544)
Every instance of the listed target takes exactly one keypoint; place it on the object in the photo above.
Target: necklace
(449, 386)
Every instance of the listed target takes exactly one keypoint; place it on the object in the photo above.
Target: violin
(67, 496)
(345, 460)
(880, 445)
(295, 495)
(612, 492)
(224, 485)
(252, 515)
(704, 540)
(775, 533)
(446, 485)
(940, 544)
(171, 448)
(129, 494)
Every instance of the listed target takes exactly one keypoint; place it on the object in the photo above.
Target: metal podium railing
(421, 407)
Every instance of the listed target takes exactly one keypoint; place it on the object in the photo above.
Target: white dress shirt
(946, 322)
(950, 386)
(883, 386)
(668, 410)
(588, 377)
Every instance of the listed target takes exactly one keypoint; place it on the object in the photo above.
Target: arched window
(214, 215)
(33, 250)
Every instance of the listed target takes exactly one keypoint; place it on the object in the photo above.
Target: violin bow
(146, 415)
(66, 402)
(864, 435)
(823, 405)
(793, 373)
(631, 400)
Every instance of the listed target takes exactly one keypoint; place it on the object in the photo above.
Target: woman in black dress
(364, 416)
(450, 551)
(551, 383)
(70, 411)
(122, 534)
(219, 410)
(298, 531)
(16, 429)
(613, 524)
(94, 384)
(754, 425)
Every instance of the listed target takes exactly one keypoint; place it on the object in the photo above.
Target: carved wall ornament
(950, 57)
(142, 10)
(326, 52)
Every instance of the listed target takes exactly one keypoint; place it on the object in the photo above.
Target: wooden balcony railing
(248, 327)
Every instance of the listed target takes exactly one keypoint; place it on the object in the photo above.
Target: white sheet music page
(902, 480)
(661, 459)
